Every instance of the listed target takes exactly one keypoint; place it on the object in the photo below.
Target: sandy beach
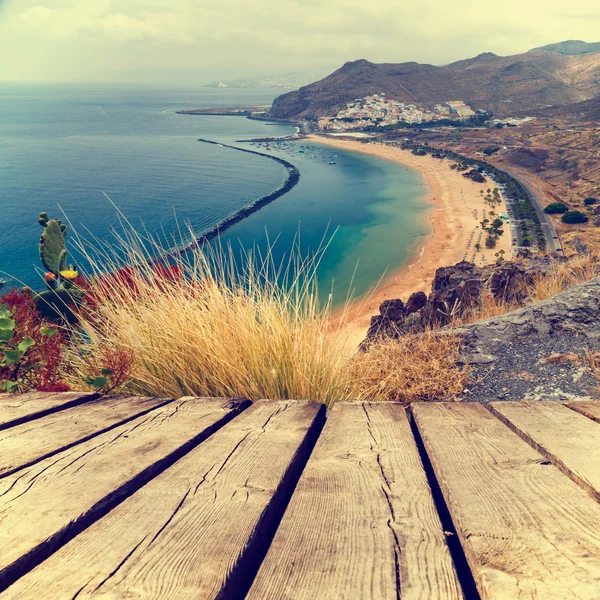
(457, 209)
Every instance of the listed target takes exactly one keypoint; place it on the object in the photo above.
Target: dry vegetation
(562, 275)
(207, 323)
(415, 368)
(206, 327)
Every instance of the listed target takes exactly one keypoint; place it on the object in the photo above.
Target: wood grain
(527, 530)
(567, 439)
(43, 506)
(589, 409)
(196, 530)
(20, 408)
(362, 522)
(25, 444)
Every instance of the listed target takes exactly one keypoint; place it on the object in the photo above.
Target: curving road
(552, 240)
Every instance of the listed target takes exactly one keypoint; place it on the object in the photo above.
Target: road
(552, 240)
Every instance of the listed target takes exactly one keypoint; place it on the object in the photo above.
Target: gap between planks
(24, 445)
(362, 522)
(20, 408)
(198, 530)
(44, 506)
(590, 409)
(568, 439)
(526, 528)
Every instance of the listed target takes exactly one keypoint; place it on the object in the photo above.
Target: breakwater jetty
(291, 181)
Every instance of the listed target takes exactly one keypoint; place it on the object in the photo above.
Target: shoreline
(454, 211)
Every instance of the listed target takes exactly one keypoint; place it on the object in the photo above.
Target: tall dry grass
(240, 328)
(411, 369)
(561, 276)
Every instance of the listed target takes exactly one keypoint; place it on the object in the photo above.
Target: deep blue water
(68, 145)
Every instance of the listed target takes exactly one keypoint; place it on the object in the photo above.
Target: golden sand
(457, 209)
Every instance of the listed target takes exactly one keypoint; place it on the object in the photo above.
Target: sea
(65, 148)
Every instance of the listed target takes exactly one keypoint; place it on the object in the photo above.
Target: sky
(196, 41)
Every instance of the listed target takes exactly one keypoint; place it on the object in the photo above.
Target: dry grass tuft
(578, 269)
(592, 361)
(561, 276)
(210, 325)
(414, 368)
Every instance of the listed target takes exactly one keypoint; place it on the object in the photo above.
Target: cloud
(263, 36)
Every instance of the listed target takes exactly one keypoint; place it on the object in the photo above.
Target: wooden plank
(43, 506)
(589, 409)
(567, 439)
(20, 408)
(25, 444)
(362, 521)
(199, 529)
(527, 530)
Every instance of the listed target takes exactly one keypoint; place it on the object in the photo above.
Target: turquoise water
(68, 145)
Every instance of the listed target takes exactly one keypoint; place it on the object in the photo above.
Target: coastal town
(378, 110)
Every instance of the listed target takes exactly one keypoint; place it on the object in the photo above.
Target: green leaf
(26, 344)
(11, 357)
(8, 386)
(99, 382)
(89, 380)
(49, 332)
(6, 335)
(5, 313)
(107, 372)
(6, 323)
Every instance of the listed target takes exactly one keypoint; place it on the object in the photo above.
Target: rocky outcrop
(540, 352)
(454, 291)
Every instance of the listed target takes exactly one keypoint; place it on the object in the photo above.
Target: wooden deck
(207, 498)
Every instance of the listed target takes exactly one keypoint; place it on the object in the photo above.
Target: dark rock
(454, 290)
(387, 324)
(392, 309)
(415, 303)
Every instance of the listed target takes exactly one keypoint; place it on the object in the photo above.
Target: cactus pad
(53, 250)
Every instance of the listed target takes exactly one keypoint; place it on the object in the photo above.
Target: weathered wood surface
(16, 409)
(590, 409)
(198, 529)
(527, 530)
(568, 439)
(362, 522)
(44, 505)
(25, 444)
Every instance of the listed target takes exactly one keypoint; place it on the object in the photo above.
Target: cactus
(57, 302)
(53, 250)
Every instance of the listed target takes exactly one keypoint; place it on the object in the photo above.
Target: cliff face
(518, 84)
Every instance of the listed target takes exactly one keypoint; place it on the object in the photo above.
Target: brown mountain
(582, 111)
(572, 47)
(516, 85)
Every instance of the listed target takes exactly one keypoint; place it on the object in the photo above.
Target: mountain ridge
(571, 47)
(517, 85)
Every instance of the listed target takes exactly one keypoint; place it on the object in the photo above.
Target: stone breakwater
(292, 179)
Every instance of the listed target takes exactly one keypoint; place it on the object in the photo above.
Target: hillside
(572, 47)
(514, 85)
(581, 111)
